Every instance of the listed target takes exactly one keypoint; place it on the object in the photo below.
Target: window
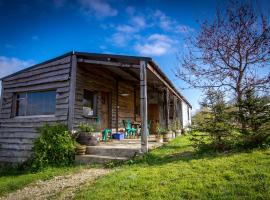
(89, 103)
(35, 103)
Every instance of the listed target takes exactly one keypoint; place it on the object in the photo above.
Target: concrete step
(113, 151)
(92, 159)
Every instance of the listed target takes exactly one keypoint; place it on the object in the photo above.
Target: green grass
(11, 179)
(176, 171)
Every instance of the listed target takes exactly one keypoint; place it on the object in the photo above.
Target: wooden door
(153, 116)
(105, 110)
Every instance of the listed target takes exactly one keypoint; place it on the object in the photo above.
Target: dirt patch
(59, 187)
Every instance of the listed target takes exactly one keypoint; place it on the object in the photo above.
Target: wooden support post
(134, 101)
(72, 92)
(143, 106)
(167, 107)
(117, 105)
(174, 107)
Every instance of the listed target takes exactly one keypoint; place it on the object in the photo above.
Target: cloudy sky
(37, 30)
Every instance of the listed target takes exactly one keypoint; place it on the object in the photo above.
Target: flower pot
(80, 149)
(178, 132)
(89, 139)
(166, 137)
(159, 139)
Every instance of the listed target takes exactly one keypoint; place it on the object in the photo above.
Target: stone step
(92, 159)
(113, 151)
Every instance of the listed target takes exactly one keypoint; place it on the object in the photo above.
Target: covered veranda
(151, 95)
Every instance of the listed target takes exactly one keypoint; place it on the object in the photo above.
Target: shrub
(53, 147)
(214, 123)
(255, 112)
(87, 128)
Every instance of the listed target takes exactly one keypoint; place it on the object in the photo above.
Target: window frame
(95, 103)
(15, 104)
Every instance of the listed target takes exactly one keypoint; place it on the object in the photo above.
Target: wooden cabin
(85, 87)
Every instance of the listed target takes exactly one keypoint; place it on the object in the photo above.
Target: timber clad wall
(126, 104)
(91, 78)
(95, 79)
(18, 133)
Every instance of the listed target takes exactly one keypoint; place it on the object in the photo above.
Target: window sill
(34, 116)
(90, 117)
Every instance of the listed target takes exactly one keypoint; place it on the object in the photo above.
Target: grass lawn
(11, 180)
(176, 171)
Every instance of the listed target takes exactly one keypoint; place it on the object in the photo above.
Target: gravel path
(59, 187)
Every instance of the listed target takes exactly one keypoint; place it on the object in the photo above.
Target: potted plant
(80, 149)
(160, 132)
(170, 132)
(88, 134)
(178, 128)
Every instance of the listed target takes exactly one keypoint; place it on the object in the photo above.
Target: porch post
(167, 107)
(143, 106)
(72, 91)
(117, 105)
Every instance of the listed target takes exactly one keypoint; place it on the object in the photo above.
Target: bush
(214, 123)
(255, 113)
(54, 147)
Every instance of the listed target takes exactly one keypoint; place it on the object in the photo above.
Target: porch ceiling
(124, 73)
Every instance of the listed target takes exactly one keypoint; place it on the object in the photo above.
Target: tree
(230, 53)
(214, 122)
(257, 116)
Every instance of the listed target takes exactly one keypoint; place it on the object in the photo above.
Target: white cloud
(125, 29)
(183, 29)
(99, 8)
(10, 65)
(164, 21)
(168, 24)
(120, 39)
(156, 45)
(138, 21)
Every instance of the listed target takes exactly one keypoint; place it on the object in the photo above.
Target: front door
(105, 110)
(153, 116)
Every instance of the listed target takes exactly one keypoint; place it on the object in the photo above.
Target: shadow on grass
(157, 157)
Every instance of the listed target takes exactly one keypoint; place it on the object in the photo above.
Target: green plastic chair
(128, 129)
(106, 134)
(148, 128)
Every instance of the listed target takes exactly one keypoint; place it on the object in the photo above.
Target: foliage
(176, 125)
(87, 128)
(53, 147)
(160, 129)
(176, 171)
(231, 53)
(256, 114)
(214, 122)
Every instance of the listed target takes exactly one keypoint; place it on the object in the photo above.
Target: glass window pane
(41, 103)
(88, 103)
(36, 103)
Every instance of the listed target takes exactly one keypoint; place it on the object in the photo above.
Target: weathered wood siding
(101, 80)
(18, 133)
(126, 103)
(94, 79)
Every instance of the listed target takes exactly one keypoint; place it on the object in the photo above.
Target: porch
(109, 89)
(115, 150)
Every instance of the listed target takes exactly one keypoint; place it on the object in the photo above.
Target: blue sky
(34, 31)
